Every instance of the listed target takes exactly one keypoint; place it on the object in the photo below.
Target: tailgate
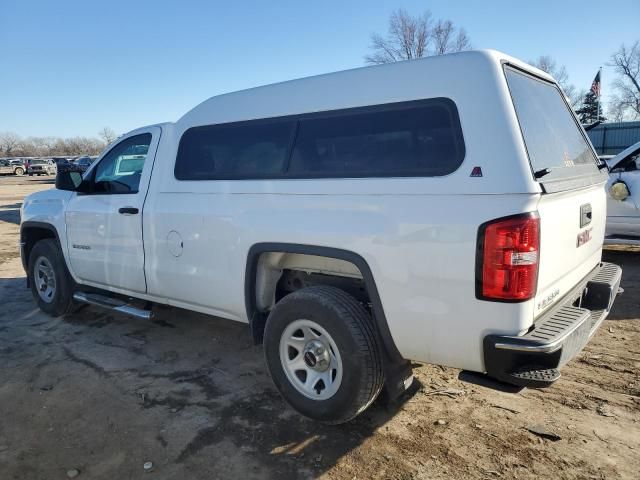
(572, 225)
(572, 208)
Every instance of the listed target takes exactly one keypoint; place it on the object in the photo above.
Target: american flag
(595, 86)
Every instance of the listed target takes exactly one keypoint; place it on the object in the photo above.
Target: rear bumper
(533, 359)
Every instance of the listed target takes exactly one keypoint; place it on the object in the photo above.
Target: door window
(120, 170)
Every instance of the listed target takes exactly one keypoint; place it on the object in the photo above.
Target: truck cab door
(623, 216)
(104, 219)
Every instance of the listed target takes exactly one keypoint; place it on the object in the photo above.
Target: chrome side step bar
(112, 304)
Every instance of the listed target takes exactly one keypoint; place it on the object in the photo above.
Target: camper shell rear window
(556, 144)
(408, 139)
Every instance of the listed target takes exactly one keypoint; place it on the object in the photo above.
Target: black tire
(19, 171)
(351, 328)
(62, 298)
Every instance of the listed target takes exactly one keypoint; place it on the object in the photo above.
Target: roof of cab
(325, 92)
(142, 129)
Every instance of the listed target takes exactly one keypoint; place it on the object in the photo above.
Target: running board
(112, 304)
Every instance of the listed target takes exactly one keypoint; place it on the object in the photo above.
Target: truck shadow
(234, 390)
(10, 213)
(46, 180)
(180, 366)
(627, 305)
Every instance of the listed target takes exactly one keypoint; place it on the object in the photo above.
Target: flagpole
(599, 93)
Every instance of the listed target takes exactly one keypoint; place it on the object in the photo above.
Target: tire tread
(361, 327)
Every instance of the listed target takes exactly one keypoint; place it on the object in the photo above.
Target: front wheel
(19, 171)
(321, 350)
(51, 284)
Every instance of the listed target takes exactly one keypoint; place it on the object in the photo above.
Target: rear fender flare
(257, 318)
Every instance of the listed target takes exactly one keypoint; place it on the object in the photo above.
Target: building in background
(612, 138)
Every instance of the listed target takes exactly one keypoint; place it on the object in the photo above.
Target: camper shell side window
(407, 139)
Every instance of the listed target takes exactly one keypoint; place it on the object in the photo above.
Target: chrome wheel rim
(311, 360)
(45, 279)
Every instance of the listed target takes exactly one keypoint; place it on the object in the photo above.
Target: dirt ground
(104, 393)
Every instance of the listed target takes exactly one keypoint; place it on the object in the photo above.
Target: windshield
(552, 137)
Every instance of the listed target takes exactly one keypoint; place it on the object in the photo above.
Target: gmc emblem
(584, 237)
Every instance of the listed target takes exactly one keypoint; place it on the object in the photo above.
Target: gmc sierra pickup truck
(448, 210)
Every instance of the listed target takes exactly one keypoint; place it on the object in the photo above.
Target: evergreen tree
(588, 112)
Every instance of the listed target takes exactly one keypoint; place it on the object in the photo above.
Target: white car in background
(623, 202)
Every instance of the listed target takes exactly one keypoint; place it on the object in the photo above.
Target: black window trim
(450, 105)
(90, 179)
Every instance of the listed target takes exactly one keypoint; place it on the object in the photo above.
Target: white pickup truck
(448, 210)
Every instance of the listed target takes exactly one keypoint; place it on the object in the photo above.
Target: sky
(69, 68)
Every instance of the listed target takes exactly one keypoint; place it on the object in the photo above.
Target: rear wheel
(51, 284)
(19, 171)
(321, 350)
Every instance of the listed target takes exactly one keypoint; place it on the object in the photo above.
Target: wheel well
(30, 235)
(274, 268)
(277, 267)
(281, 273)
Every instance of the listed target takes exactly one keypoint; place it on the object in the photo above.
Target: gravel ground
(103, 393)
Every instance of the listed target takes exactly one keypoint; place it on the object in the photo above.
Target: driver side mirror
(68, 180)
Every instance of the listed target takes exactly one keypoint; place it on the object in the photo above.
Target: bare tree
(615, 110)
(447, 38)
(13, 145)
(547, 64)
(107, 134)
(49, 144)
(38, 146)
(415, 37)
(626, 63)
(8, 142)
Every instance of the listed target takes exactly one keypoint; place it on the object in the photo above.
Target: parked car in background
(42, 167)
(21, 162)
(60, 160)
(82, 163)
(606, 159)
(623, 197)
(12, 167)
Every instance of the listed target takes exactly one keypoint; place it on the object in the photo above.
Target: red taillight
(508, 257)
